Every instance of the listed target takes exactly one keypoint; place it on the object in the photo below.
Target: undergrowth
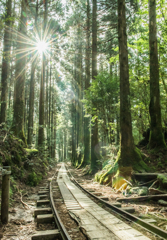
(27, 165)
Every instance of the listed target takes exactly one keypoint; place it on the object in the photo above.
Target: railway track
(94, 221)
(49, 214)
(97, 223)
(156, 231)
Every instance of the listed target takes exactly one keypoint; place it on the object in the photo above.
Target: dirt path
(21, 224)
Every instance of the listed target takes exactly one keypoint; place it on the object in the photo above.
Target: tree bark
(41, 136)
(31, 103)
(32, 86)
(18, 117)
(156, 139)
(41, 106)
(73, 119)
(87, 84)
(94, 129)
(128, 155)
(53, 127)
(79, 79)
(65, 145)
(5, 62)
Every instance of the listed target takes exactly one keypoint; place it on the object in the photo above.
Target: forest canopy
(82, 80)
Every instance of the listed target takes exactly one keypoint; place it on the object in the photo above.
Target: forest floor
(23, 198)
(21, 224)
(148, 209)
(155, 160)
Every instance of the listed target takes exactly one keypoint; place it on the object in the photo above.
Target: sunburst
(42, 47)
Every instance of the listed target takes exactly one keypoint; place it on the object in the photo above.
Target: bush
(33, 179)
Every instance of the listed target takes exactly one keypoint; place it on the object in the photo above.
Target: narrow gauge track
(64, 234)
(44, 214)
(94, 221)
(126, 215)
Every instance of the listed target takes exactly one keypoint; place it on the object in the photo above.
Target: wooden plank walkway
(96, 222)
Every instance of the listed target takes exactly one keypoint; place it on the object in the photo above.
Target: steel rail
(63, 232)
(128, 216)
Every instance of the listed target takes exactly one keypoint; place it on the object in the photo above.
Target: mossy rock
(162, 202)
(141, 191)
(162, 179)
(31, 152)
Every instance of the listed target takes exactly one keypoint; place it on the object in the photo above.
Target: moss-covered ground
(151, 161)
(27, 165)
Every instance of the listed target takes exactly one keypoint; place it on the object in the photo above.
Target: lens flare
(42, 46)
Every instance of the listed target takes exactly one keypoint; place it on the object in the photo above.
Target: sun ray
(25, 67)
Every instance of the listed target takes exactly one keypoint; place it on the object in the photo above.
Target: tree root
(21, 198)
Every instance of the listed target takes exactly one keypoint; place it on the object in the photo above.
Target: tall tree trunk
(73, 119)
(117, 116)
(32, 86)
(5, 62)
(50, 99)
(128, 154)
(59, 150)
(12, 78)
(53, 127)
(41, 106)
(76, 125)
(87, 84)
(73, 132)
(47, 98)
(156, 136)
(65, 145)
(26, 103)
(79, 76)
(41, 137)
(54, 143)
(18, 117)
(94, 136)
(74, 115)
(31, 103)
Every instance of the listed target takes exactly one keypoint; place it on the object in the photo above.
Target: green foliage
(13, 187)
(101, 100)
(33, 179)
(106, 164)
(105, 176)
(31, 152)
(162, 179)
(99, 94)
(11, 150)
